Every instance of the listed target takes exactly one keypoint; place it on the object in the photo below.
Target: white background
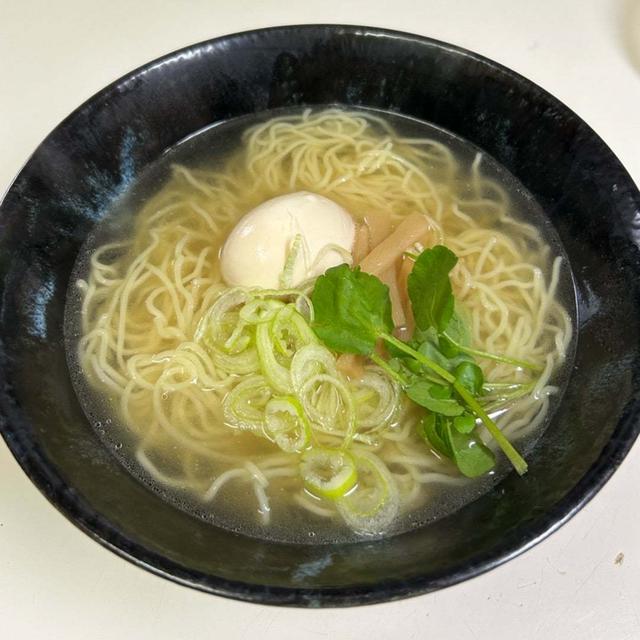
(56, 583)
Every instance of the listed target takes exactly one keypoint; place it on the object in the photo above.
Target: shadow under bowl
(92, 157)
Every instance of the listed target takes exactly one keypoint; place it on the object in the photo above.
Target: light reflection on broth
(151, 272)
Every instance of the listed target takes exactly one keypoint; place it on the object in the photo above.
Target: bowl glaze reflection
(93, 156)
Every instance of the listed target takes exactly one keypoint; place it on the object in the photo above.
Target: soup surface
(211, 333)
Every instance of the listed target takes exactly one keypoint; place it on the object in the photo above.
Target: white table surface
(57, 583)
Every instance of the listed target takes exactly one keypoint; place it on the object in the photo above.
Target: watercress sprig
(433, 303)
(353, 311)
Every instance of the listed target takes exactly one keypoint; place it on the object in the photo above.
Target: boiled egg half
(303, 232)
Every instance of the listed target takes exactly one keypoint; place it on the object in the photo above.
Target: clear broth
(235, 508)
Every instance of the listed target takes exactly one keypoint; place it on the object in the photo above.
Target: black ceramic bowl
(89, 160)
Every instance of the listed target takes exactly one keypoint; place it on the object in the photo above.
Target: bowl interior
(94, 155)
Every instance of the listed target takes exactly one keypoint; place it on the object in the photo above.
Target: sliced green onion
(240, 338)
(278, 294)
(228, 338)
(345, 254)
(304, 307)
(260, 310)
(373, 504)
(240, 364)
(277, 375)
(287, 425)
(290, 332)
(321, 390)
(327, 401)
(286, 277)
(322, 434)
(310, 361)
(244, 406)
(376, 399)
(220, 323)
(328, 473)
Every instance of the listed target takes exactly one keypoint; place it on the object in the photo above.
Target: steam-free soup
(321, 325)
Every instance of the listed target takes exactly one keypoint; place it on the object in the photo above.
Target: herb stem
(510, 451)
(492, 356)
(496, 386)
(383, 364)
(507, 398)
(422, 359)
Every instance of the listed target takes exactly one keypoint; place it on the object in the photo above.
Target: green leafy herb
(469, 375)
(470, 454)
(472, 457)
(430, 348)
(430, 429)
(352, 310)
(430, 289)
(457, 335)
(436, 398)
(465, 423)
(447, 347)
